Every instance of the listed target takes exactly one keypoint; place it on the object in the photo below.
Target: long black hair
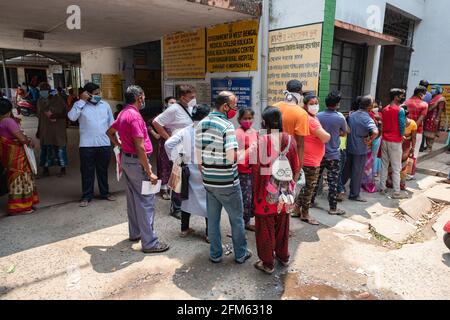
(272, 119)
(5, 106)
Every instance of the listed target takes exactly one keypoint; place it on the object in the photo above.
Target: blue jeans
(229, 198)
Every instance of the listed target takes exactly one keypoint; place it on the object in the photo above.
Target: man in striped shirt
(217, 153)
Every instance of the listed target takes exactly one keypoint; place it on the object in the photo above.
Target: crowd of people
(261, 178)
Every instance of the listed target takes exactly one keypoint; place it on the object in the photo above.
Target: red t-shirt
(417, 108)
(314, 148)
(391, 124)
(245, 139)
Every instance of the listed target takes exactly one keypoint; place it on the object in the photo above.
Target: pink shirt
(8, 126)
(130, 125)
(314, 148)
(245, 139)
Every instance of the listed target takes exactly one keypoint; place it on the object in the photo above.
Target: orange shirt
(295, 119)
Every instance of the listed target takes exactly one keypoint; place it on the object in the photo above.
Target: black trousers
(94, 160)
(185, 219)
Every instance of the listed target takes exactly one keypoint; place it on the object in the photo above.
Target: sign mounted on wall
(112, 87)
(184, 55)
(294, 53)
(233, 47)
(241, 87)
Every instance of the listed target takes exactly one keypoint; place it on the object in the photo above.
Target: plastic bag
(300, 184)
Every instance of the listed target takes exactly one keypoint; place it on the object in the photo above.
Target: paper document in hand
(118, 155)
(149, 188)
(31, 158)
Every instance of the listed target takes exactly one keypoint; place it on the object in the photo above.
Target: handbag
(175, 178)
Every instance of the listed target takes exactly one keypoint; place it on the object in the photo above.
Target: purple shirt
(130, 125)
(8, 126)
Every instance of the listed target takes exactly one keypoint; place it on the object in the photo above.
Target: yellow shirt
(409, 129)
(295, 119)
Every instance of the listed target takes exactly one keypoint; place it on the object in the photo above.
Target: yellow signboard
(184, 55)
(112, 87)
(294, 53)
(233, 47)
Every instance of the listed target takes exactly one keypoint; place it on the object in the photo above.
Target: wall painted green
(327, 50)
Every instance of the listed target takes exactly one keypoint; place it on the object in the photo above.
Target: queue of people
(269, 175)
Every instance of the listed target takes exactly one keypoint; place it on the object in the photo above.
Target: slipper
(250, 227)
(311, 221)
(339, 212)
(24, 213)
(358, 199)
(186, 233)
(260, 266)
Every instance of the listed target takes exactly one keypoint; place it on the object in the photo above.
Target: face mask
(434, 92)
(192, 103)
(313, 109)
(44, 93)
(231, 113)
(95, 99)
(246, 124)
(142, 106)
(376, 110)
(402, 100)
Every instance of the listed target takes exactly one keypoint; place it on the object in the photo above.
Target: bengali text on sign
(294, 53)
(233, 47)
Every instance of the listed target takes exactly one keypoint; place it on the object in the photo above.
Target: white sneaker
(410, 178)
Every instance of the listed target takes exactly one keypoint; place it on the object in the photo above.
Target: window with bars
(399, 26)
(347, 71)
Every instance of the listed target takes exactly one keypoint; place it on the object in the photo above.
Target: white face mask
(375, 110)
(192, 103)
(313, 109)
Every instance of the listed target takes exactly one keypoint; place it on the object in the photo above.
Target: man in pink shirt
(136, 151)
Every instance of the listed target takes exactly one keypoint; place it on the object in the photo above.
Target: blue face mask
(44, 93)
(96, 99)
(142, 106)
(434, 92)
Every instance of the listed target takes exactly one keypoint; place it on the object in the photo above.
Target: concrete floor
(66, 252)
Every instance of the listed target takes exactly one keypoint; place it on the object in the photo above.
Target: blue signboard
(241, 87)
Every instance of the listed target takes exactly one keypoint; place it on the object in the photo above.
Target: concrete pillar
(101, 61)
(373, 65)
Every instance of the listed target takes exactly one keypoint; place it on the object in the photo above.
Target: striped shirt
(215, 136)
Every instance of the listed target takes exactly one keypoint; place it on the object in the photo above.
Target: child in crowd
(246, 137)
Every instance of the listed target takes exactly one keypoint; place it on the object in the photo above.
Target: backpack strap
(286, 150)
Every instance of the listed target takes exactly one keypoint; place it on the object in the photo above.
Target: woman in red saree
(433, 119)
(271, 220)
(20, 179)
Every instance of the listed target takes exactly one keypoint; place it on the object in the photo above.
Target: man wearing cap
(95, 117)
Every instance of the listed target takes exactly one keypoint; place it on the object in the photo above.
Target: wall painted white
(370, 14)
(293, 13)
(430, 57)
(103, 60)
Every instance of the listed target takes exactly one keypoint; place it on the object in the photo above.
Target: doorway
(348, 70)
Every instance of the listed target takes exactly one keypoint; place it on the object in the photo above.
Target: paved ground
(65, 252)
